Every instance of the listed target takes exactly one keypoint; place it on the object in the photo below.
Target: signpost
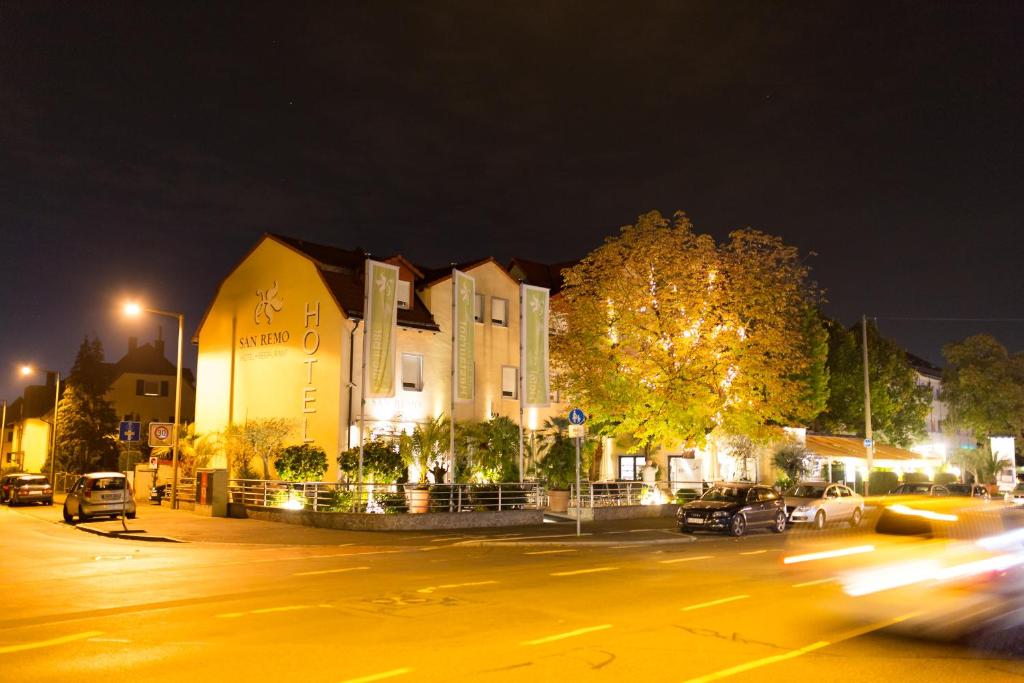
(577, 419)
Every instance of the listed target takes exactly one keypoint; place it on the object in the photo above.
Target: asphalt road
(434, 607)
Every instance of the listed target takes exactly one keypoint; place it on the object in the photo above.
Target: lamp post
(134, 309)
(27, 370)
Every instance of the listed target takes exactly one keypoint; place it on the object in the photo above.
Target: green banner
(534, 331)
(464, 289)
(380, 328)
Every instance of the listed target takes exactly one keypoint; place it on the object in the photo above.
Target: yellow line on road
(687, 559)
(585, 571)
(569, 634)
(329, 571)
(813, 583)
(722, 601)
(431, 589)
(287, 608)
(754, 552)
(7, 649)
(378, 677)
(551, 552)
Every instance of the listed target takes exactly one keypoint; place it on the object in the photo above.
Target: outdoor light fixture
(132, 308)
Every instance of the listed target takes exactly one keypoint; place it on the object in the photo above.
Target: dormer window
(404, 295)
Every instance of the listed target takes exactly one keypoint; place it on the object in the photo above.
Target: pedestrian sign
(130, 431)
(868, 443)
(577, 417)
(161, 434)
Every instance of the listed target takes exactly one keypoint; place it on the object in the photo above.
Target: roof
(828, 446)
(343, 273)
(541, 274)
(924, 367)
(432, 276)
(144, 360)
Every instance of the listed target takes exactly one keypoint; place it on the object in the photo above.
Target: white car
(99, 494)
(1016, 496)
(818, 503)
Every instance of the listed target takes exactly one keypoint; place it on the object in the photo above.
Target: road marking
(712, 603)
(265, 610)
(378, 677)
(431, 589)
(813, 583)
(585, 571)
(7, 649)
(757, 663)
(754, 552)
(569, 634)
(109, 640)
(330, 571)
(551, 552)
(686, 559)
(828, 554)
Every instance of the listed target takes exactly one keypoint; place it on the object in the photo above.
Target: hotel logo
(268, 304)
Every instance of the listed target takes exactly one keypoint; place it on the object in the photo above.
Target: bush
(882, 482)
(382, 462)
(791, 460)
(915, 478)
(303, 462)
(341, 501)
(558, 468)
(945, 478)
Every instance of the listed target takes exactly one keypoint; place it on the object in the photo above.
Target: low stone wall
(597, 514)
(403, 522)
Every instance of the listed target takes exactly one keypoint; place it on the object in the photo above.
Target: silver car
(99, 494)
(818, 503)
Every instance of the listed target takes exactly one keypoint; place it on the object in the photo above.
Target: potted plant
(558, 468)
(424, 447)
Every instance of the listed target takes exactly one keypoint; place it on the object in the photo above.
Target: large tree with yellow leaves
(666, 335)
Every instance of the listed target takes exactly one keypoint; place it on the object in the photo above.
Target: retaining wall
(597, 514)
(405, 522)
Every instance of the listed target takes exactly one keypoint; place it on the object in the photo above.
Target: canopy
(825, 446)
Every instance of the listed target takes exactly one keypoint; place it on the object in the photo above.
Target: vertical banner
(381, 317)
(534, 333)
(463, 355)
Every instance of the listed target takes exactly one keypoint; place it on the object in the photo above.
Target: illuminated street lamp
(134, 309)
(26, 371)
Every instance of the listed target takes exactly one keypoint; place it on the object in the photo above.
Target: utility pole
(869, 443)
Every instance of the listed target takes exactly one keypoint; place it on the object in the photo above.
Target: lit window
(404, 295)
(478, 310)
(499, 311)
(412, 372)
(509, 381)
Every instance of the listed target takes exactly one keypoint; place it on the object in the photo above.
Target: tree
(667, 335)
(983, 385)
(791, 458)
(256, 439)
(382, 462)
(87, 424)
(301, 462)
(492, 448)
(898, 405)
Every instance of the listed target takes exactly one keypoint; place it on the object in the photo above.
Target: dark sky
(144, 147)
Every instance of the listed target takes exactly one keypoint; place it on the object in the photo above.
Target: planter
(558, 501)
(419, 500)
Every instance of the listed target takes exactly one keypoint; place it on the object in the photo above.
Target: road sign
(154, 462)
(577, 417)
(868, 443)
(161, 434)
(577, 431)
(130, 431)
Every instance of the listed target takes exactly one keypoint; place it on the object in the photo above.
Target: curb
(561, 543)
(127, 535)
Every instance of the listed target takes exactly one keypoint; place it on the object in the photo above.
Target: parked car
(734, 508)
(5, 484)
(99, 494)
(818, 503)
(920, 488)
(969, 491)
(1016, 496)
(29, 488)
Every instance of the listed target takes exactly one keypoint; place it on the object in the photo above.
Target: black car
(734, 508)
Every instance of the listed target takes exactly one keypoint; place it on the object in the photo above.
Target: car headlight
(803, 508)
(720, 513)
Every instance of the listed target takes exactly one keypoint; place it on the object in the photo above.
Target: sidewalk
(162, 524)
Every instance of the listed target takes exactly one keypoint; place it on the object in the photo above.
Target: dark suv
(733, 508)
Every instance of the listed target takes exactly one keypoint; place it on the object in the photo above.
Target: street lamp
(134, 309)
(27, 370)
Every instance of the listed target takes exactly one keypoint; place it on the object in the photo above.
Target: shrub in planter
(303, 462)
(882, 482)
(915, 478)
(558, 467)
(945, 478)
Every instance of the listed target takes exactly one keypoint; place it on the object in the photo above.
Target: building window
(499, 311)
(509, 381)
(478, 308)
(404, 295)
(148, 388)
(631, 467)
(412, 372)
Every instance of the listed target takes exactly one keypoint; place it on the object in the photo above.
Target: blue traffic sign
(868, 443)
(577, 417)
(130, 431)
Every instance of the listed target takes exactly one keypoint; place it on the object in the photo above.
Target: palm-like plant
(985, 465)
(427, 444)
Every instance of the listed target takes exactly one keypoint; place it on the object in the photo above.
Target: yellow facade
(297, 365)
(29, 445)
(126, 401)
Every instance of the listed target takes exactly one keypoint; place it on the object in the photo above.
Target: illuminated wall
(122, 393)
(272, 346)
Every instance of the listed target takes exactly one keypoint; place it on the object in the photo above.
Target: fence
(386, 498)
(615, 493)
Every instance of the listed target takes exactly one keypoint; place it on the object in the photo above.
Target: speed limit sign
(161, 434)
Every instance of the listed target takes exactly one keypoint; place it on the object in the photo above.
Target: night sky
(144, 147)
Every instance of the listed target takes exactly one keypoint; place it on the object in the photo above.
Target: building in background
(27, 432)
(938, 443)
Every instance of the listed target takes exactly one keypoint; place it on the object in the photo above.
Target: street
(632, 601)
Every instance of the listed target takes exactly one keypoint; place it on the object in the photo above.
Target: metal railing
(386, 498)
(616, 493)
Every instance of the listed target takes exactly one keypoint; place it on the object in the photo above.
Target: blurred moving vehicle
(969, 491)
(734, 508)
(99, 494)
(28, 488)
(921, 488)
(819, 503)
(5, 484)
